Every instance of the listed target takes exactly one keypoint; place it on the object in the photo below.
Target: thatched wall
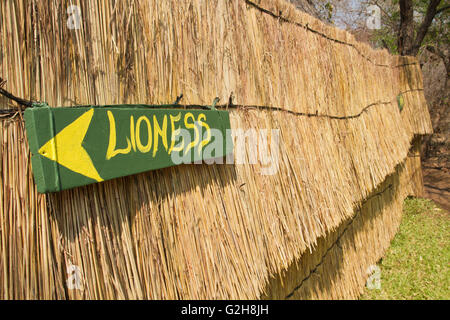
(342, 260)
(205, 231)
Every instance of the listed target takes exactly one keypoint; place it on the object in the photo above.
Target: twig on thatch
(316, 114)
(20, 101)
(5, 113)
(323, 35)
(178, 99)
(437, 188)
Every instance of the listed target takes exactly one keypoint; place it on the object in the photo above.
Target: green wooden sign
(77, 146)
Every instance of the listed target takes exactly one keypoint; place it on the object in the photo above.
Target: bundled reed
(207, 231)
(342, 260)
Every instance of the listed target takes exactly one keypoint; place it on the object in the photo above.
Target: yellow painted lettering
(203, 123)
(175, 133)
(148, 146)
(112, 151)
(191, 126)
(132, 134)
(158, 131)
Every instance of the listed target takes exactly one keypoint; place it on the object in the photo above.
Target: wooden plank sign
(77, 146)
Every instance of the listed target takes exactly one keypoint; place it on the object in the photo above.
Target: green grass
(416, 266)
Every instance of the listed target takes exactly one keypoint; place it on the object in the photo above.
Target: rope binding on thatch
(308, 28)
(20, 101)
(10, 113)
(336, 243)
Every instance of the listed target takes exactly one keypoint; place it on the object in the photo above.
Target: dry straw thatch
(342, 260)
(200, 231)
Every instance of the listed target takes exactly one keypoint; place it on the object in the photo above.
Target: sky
(349, 15)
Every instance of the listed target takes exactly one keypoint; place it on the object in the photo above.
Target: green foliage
(325, 9)
(329, 8)
(416, 266)
(385, 38)
(438, 33)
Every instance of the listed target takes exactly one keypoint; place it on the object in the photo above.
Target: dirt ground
(437, 183)
(436, 157)
(436, 147)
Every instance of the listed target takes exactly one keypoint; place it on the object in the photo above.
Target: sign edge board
(41, 130)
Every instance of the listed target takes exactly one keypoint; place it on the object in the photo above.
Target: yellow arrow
(65, 148)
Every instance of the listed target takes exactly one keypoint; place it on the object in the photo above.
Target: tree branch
(3, 92)
(436, 51)
(423, 29)
(442, 55)
(442, 9)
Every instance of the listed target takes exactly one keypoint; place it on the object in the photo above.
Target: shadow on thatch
(316, 273)
(88, 204)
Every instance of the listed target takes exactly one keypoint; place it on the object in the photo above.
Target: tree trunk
(423, 29)
(406, 30)
(407, 43)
